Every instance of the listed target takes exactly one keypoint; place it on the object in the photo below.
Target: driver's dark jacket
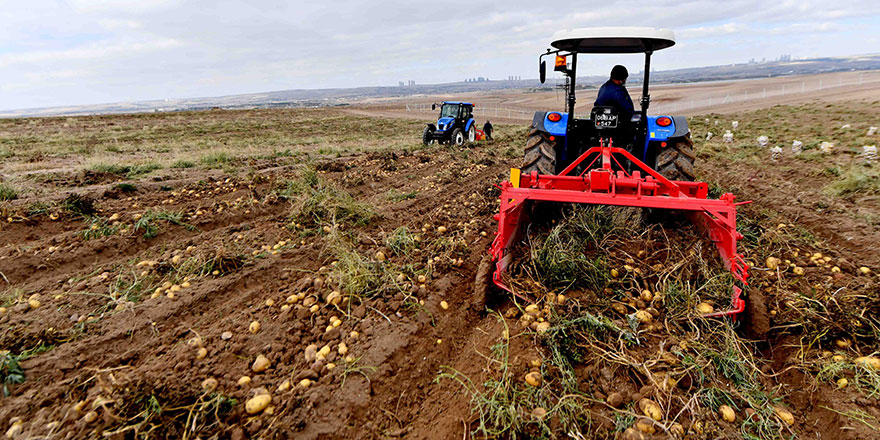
(615, 95)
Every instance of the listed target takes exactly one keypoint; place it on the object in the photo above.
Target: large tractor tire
(472, 134)
(676, 161)
(483, 284)
(457, 137)
(428, 136)
(540, 153)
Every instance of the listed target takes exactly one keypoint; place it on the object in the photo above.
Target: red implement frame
(603, 186)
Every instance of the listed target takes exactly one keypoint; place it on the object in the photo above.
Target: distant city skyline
(80, 52)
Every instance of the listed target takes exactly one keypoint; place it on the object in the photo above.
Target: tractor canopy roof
(613, 40)
(458, 103)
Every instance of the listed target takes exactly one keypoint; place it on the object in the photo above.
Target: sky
(76, 52)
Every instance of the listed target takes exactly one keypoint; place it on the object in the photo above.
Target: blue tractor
(556, 139)
(454, 126)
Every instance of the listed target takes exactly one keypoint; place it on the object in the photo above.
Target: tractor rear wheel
(428, 136)
(676, 162)
(540, 153)
(472, 134)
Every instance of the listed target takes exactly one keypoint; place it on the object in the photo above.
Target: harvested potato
(244, 380)
(864, 270)
(260, 364)
(646, 425)
(257, 404)
(534, 378)
(305, 383)
(14, 429)
(201, 353)
(90, 417)
(784, 415)
(380, 256)
(705, 308)
(444, 305)
(334, 298)
(254, 327)
(842, 343)
(539, 413)
(842, 382)
(650, 409)
(441, 229)
(644, 317)
(343, 349)
(868, 362)
(542, 327)
(632, 434)
(727, 413)
(34, 303)
(284, 386)
(772, 263)
(209, 385)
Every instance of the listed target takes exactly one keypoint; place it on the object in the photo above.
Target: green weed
(315, 202)
(147, 222)
(401, 241)
(855, 181)
(7, 192)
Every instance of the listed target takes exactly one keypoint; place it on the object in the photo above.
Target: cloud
(59, 52)
(88, 53)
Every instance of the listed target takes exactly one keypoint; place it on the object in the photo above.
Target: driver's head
(619, 73)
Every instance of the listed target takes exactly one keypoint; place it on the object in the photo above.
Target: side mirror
(433, 107)
(542, 71)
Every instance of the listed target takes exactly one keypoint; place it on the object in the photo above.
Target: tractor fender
(558, 128)
(467, 125)
(538, 121)
(681, 127)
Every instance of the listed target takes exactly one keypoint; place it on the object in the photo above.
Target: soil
(131, 360)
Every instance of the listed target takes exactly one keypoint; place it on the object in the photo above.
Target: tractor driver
(614, 94)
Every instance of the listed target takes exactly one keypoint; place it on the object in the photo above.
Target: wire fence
(749, 94)
(671, 105)
(484, 111)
